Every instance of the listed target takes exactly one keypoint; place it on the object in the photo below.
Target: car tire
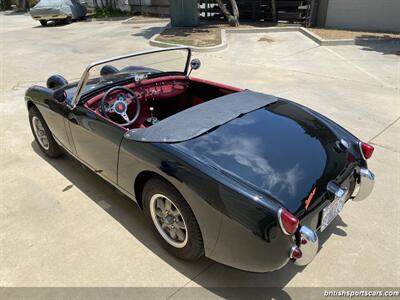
(43, 23)
(189, 247)
(68, 20)
(42, 133)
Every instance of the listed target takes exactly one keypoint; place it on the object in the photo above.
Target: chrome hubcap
(168, 221)
(40, 133)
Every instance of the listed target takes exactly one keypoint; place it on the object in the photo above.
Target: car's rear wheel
(172, 220)
(43, 22)
(42, 134)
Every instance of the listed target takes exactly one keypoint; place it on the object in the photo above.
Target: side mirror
(194, 64)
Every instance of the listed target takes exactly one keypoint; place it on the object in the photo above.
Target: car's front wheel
(43, 22)
(172, 220)
(42, 134)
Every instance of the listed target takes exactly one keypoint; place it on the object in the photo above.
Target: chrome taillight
(295, 253)
(287, 221)
(366, 150)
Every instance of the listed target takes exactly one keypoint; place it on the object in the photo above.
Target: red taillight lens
(367, 150)
(295, 253)
(288, 222)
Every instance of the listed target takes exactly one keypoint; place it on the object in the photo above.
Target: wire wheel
(168, 220)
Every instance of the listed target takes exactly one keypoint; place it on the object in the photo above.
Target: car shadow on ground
(52, 24)
(217, 279)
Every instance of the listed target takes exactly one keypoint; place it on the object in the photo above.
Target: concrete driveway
(60, 225)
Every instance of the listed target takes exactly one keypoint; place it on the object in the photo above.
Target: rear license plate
(330, 212)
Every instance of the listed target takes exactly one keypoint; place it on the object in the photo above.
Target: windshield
(137, 66)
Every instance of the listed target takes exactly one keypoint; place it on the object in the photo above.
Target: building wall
(373, 15)
(158, 8)
(120, 4)
(146, 7)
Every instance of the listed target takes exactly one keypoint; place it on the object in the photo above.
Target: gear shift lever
(152, 120)
(151, 112)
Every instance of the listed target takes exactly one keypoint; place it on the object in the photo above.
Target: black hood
(282, 150)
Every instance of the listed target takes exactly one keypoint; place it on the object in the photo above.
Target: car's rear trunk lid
(45, 11)
(283, 150)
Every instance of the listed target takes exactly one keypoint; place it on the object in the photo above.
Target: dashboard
(159, 97)
(158, 100)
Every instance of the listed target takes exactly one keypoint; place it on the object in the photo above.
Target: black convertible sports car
(244, 178)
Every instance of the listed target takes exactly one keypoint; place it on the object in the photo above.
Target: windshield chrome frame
(85, 76)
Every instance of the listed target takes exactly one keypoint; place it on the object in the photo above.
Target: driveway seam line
(384, 83)
(298, 52)
(201, 272)
(288, 69)
(385, 147)
(383, 130)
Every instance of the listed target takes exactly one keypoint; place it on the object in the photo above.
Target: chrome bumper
(309, 239)
(308, 245)
(49, 17)
(364, 185)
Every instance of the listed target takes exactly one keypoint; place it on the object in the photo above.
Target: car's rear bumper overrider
(306, 248)
(364, 185)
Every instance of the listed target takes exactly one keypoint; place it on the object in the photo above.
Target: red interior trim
(170, 89)
(143, 84)
(228, 88)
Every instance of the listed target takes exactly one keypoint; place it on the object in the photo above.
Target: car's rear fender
(229, 215)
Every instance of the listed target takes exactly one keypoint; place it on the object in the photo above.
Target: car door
(54, 113)
(96, 141)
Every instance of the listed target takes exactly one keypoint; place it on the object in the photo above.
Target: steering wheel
(120, 106)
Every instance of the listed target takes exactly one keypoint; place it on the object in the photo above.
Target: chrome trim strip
(280, 221)
(362, 153)
(85, 75)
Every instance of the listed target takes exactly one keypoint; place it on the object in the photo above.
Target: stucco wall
(376, 15)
